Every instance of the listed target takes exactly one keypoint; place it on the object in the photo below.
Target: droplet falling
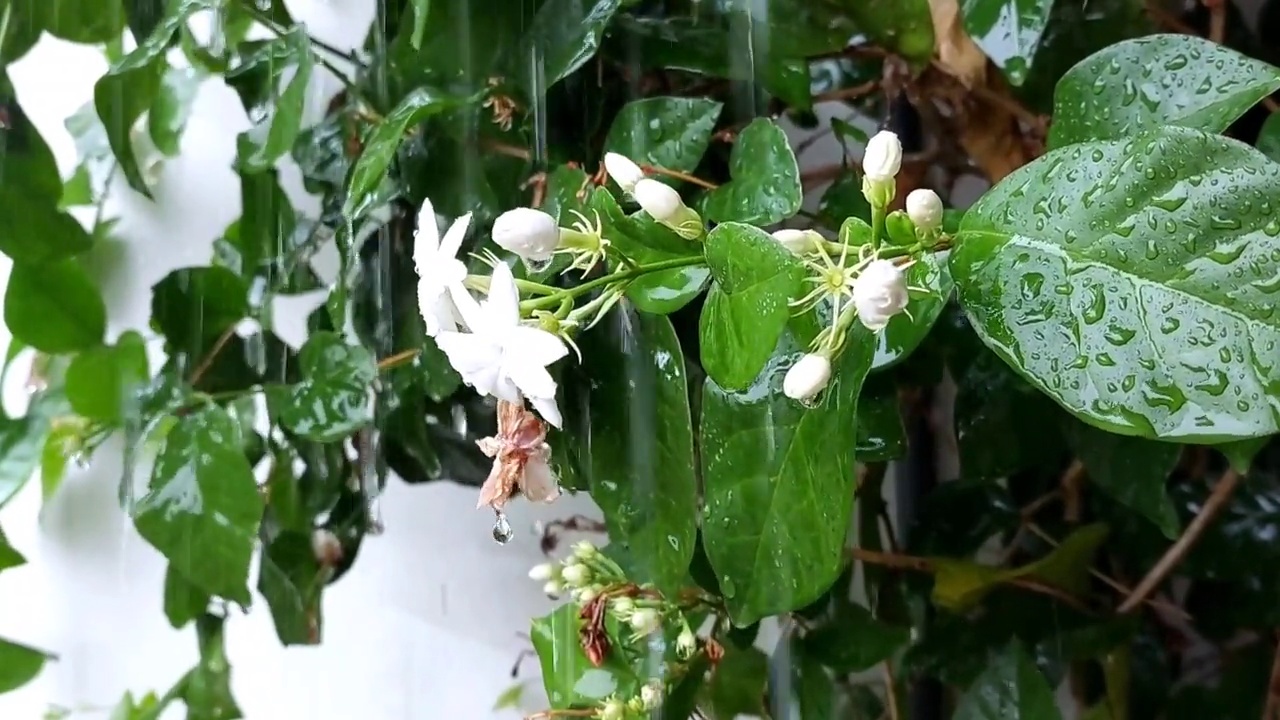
(502, 532)
(367, 464)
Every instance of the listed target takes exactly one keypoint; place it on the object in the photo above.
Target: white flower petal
(454, 236)
(534, 345)
(426, 239)
(476, 358)
(503, 310)
(533, 380)
(468, 308)
(548, 409)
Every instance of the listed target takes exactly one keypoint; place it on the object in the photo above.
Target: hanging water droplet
(80, 460)
(536, 266)
(502, 532)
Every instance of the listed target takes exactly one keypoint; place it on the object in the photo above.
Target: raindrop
(502, 532)
(536, 266)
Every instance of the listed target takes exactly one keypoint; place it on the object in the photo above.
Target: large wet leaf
(172, 108)
(22, 440)
(646, 241)
(105, 383)
(669, 132)
(638, 442)
(279, 110)
(202, 508)
(1131, 470)
(565, 34)
(778, 478)
(1158, 80)
(1011, 688)
(333, 399)
(567, 674)
(1008, 31)
(54, 308)
(1135, 282)
(765, 188)
(747, 309)
(19, 665)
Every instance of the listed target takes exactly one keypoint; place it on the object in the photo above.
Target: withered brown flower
(520, 454)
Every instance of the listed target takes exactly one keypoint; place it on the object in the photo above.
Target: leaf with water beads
(1135, 282)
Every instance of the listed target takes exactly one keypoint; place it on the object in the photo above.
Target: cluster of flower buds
(637, 708)
(659, 200)
(584, 574)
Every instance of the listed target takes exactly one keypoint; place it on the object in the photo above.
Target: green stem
(877, 225)
(555, 299)
(174, 694)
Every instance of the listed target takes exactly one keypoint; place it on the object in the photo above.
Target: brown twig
(891, 691)
(207, 361)
(849, 93)
(1072, 485)
(400, 358)
(509, 150)
(548, 714)
(1176, 552)
(1217, 19)
(679, 176)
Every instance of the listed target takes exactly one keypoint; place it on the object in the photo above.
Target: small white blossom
(542, 572)
(575, 574)
(799, 242)
(924, 207)
(440, 272)
(553, 587)
(686, 643)
(660, 200)
(584, 549)
(531, 234)
(586, 594)
(879, 293)
(501, 357)
(623, 607)
(651, 695)
(883, 157)
(613, 710)
(623, 171)
(807, 377)
(645, 621)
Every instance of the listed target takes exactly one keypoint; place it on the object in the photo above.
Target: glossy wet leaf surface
(19, 665)
(1008, 31)
(202, 508)
(332, 401)
(668, 132)
(104, 383)
(1136, 282)
(1011, 688)
(1148, 82)
(777, 478)
(564, 35)
(172, 108)
(646, 241)
(1132, 470)
(568, 676)
(55, 308)
(279, 114)
(765, 188)
(22, 440)
(184, 601)
(637, 442)
(747, 308)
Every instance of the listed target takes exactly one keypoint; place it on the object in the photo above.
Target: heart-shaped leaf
(765, 188)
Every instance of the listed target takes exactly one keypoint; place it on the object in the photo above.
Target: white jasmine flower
(883, 157)
(658, 199)
(440, 272)
(799, 242)
(542, 572)
(575, 574)
(645, 621)
(553, 587)
(587, 594)
(531, 234)
(924, 207)
(651, 695)
(807, 377)
(879, 293)
(584, 549)
(613, 710)
(623, 171)
(623, 607)
(686, 643)
(501, 357)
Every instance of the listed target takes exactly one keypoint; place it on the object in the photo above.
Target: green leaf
(567, 674)
(1241, 453)
(292, 581)
(737, 685)
(638, 443)
(192, 307)
(748, 307)
(85, 21)
(32, 228)
(130, 709)
(881, 437)
(777, 481)
(958, 585)
(19, 665)
(646, 241)
(906, 331)
(120, 98)
(902, 25)
(273, 136)
(203, 507)
(332, 401)
(1003, 425)
(1008, 31)
(1011, 688)
(207, 687)
(144, 15)
(844, 200)
(1199, 84)
(9, 557)
(54, 308)
(1134, 283)
(815, 690)
(381, 145)
(104, 383)
(183, 600)
(564, 35)
(765, 188)
(1269, 137)
(854, 641)
(667, 132)
(267, 222)
(421, 10)
(172, 107)
(22, 441)
(1131, 470)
